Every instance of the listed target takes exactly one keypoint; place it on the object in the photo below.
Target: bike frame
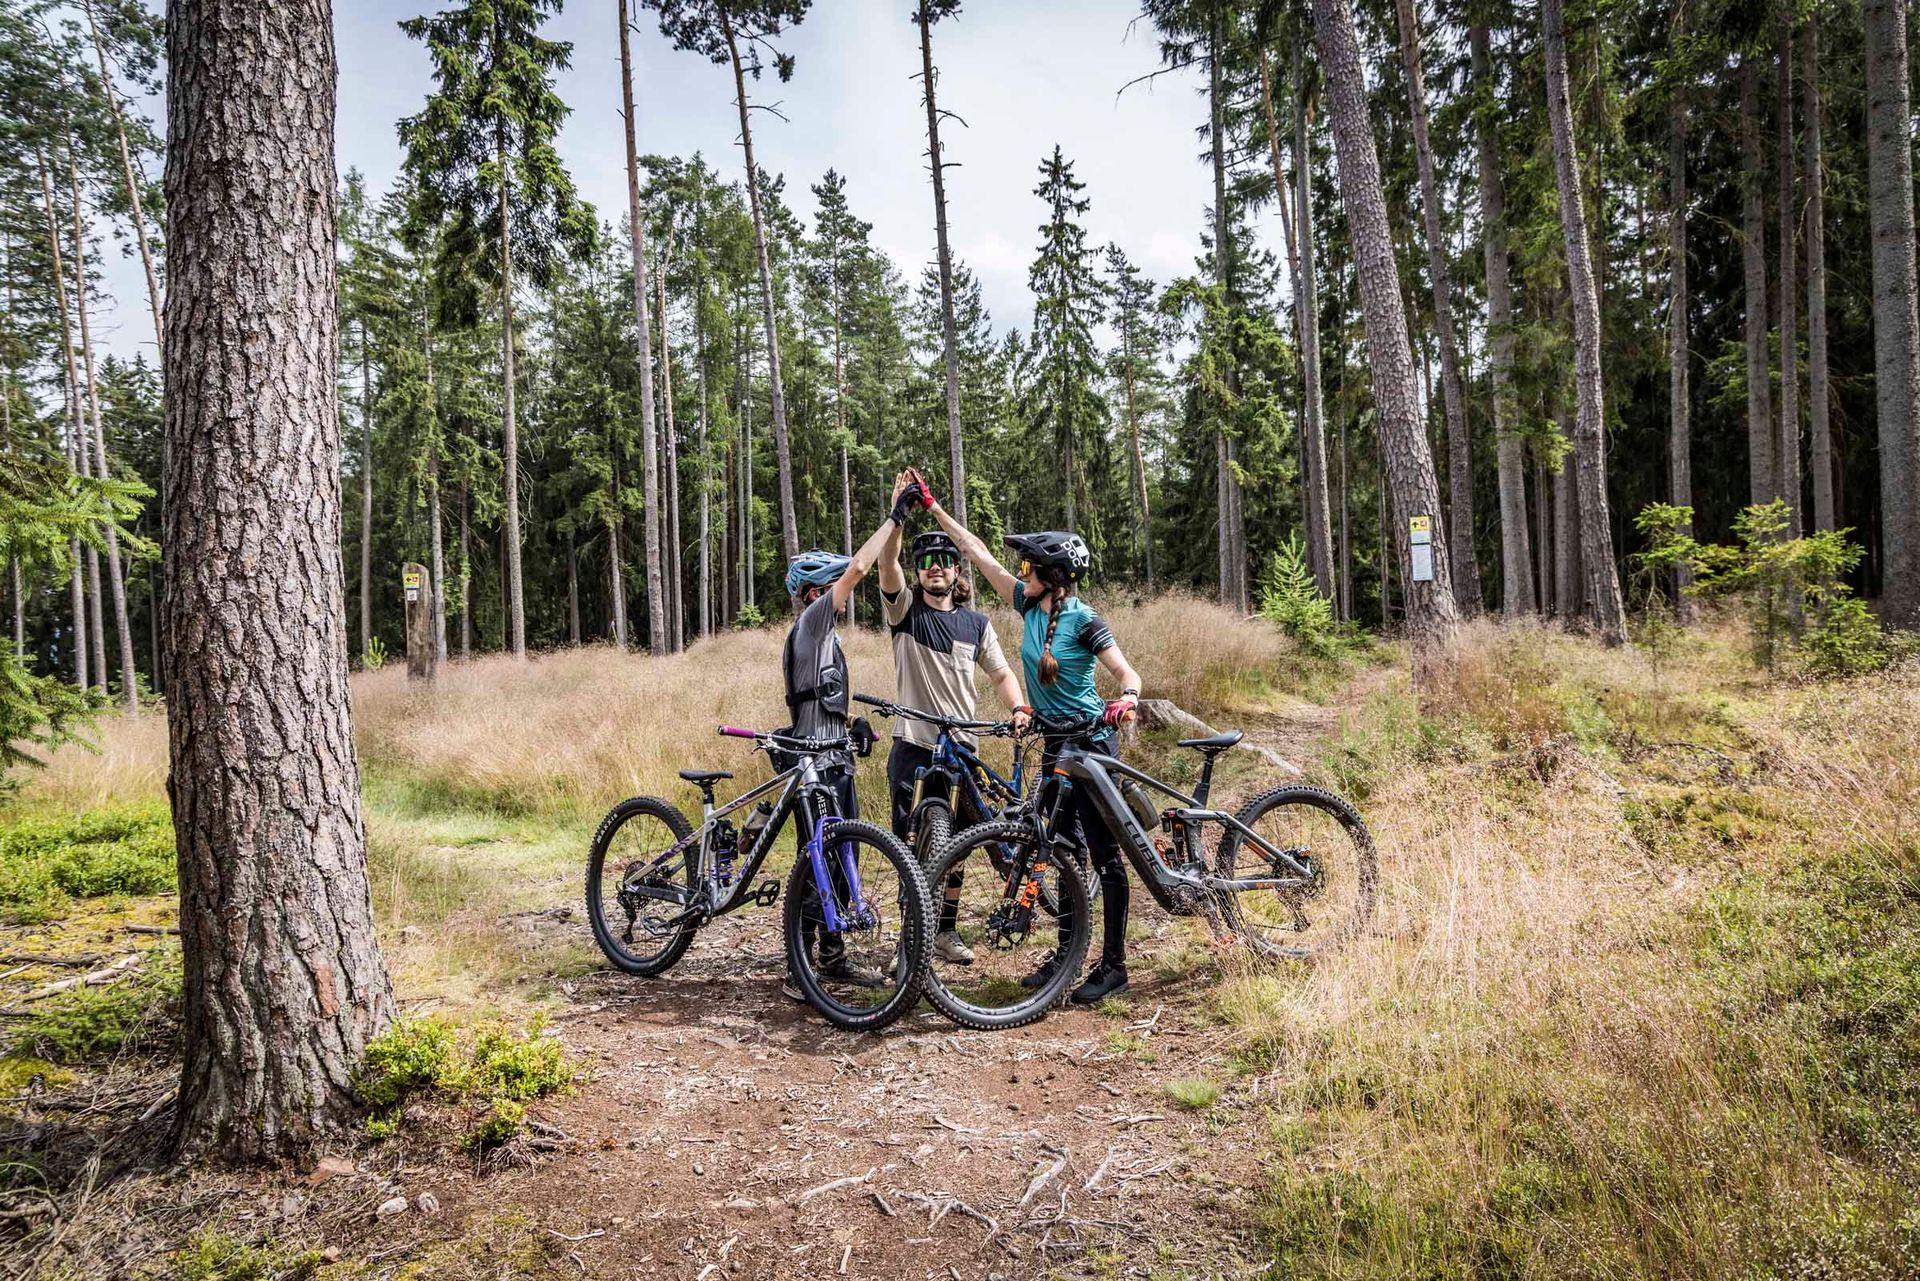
(801, 792)
(960, 764)
(1095, 771)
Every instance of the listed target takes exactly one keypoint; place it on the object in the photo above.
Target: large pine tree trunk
(75, 454)
(1230, 530)
(284, 982)
(466, 572)
(1820, 460)
(1786, 442)
(1431, 611)
(783, 458)
(1679, 395)
(1896, 305)
(116, 569)
(956, 458)
(1753, 255)
(1589, 423)
(510, 440)
(1465, 565)
(1516, 556)
(366, 502)
(649, 448)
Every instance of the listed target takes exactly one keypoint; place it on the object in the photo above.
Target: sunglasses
(1026, 567)
(938, 560)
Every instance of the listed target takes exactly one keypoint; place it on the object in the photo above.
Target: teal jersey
(1077, 642)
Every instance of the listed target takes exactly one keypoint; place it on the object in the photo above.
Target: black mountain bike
(652, 881)
(958, 787)
(1293, 873)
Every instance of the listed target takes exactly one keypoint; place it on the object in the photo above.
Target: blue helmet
(815, 569)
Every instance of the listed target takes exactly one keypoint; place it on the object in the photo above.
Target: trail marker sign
(1420, 537)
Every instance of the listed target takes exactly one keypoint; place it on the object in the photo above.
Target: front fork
(836, 922)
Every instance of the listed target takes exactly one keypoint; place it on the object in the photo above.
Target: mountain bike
(1293, 872)
(957, 783)
(653, 880)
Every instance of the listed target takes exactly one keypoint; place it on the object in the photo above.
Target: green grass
(488, 1065)
(88, 1023)
(1196, 1093)
(47, 860)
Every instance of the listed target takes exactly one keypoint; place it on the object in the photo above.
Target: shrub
(1290, 597)
(1846, 640)
(122, 849)
(495, 1067)
(88, 1022)
(1197, 1092)
(410, 1058)
(216, 1256)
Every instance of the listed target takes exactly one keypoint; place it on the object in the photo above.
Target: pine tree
(1067, 305)
(483, 157)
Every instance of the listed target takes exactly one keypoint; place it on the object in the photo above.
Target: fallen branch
(834, 1185)
(93, 978)
(1164, 713)
(1043, 1178)
(584, 1236)
(1099, 1171)
(34, 958)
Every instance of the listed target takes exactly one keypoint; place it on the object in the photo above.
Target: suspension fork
(823, 880)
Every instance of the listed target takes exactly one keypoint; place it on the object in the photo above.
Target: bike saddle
(1218, 743)
(704, 775)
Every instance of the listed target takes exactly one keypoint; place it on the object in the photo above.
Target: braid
(1059, 587)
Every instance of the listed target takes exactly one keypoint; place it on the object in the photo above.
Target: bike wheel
(1007, 942)
(931, 829)
(634, 931)
(1315, 828)
(886, 947)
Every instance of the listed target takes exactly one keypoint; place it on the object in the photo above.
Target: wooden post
(422, 659)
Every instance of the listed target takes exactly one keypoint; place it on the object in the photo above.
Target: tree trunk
(1820, 461)
(466, 572)
(789, 529)
(1589, 430)
(510, 444)
(1465, 565)
(840, 377)
(1231, 531)
(670, 478)
(76, 456)
(366, 503)
(573, 589)
(1139, 458)
(746, 483)
(1569, 596)
(1516, 555)
(436, 538)
(956, 459)
(1753, 254)
(1432, 614)
(116, 570)
(649, 447)
(126, 167)
(1679, 395)
(1542, 536)
(284, 981)
(1896, 315)
(1786, 444)
(706, 484)
(1306, 309)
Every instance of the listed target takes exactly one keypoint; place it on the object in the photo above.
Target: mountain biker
(1062, 642)
(815, 669)
(937, 644)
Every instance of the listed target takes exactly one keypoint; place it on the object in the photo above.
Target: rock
(292, 1205)
(329, 1166)
(427, 1203)
(331, 1254)
(390, 1207)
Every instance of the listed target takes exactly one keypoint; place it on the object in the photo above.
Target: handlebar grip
(732, 731)
(870, 700)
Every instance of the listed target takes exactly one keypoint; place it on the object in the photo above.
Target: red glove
(918, 493)
(1119, 710)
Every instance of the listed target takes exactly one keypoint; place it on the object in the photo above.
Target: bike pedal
(766, 894)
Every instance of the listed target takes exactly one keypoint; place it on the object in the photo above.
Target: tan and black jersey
(935, 652)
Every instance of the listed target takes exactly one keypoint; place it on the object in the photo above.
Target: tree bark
(366, 503)
(1753, 254)
(1589, 424)
(1679, 393)
(1516, 555)
(1569, 596)
(789, 529)
(649, 447)
(706, 481)
(466, 572)
(116, 569)
(75, 454)
(284, 981)
(126, 166)
(1139, 458)
(1465, 565)
(1431, 611)
(1820, 461)
(510, 444)
(1786, 444)
(956, 458)
(436, 545)
(1896, 307)
(1231, 530)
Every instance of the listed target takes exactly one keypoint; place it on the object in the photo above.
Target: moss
(216, 1256)
(20, 1073)
(492, 1066)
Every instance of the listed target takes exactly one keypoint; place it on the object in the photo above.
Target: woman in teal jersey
(1062, 642)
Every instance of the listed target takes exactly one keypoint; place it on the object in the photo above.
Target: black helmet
(1058, 548)
(933, 540)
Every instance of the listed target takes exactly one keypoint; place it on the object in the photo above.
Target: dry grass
(1533, 1067)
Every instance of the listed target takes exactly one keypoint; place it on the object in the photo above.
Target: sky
(1023, 75)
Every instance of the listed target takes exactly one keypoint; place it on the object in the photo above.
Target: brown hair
(1059, 587)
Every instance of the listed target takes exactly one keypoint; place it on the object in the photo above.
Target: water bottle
(1140, 803)
(756, 824)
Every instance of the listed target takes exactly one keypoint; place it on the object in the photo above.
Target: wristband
(1130, 692)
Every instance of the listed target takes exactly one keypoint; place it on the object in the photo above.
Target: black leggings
(1081, 814)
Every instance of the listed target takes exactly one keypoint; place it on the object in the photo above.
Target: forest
(1527, 460)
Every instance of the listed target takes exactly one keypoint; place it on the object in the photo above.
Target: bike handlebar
(732, 731)
(790, 742)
